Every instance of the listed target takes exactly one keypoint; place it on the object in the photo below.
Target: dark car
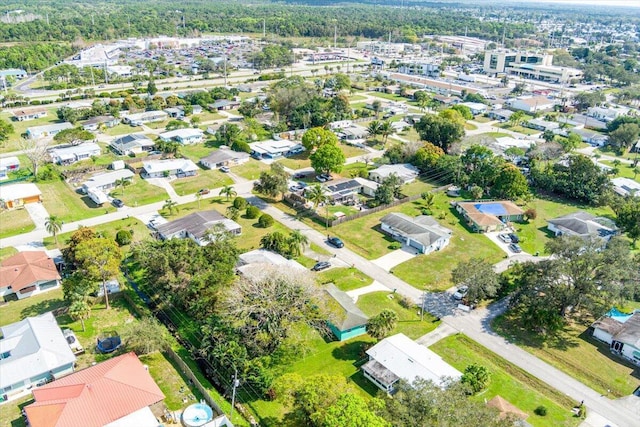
(203, 191)
(514, 247)
(335, 241)
(299, 175)
(117, 203)
(321, 265)
(514, 238)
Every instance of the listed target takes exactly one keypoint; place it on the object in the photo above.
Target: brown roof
(506, 408)
(95, 396)
(27, 112)
(25, 269)
(481, 218)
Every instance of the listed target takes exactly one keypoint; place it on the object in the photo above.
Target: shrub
(123, 237)
(405, 302)
(395, 245)
(426, 211)
(530, 214)
(265, 221)
(476, 377)
(541, 410)
(239, 203)
(252, 212)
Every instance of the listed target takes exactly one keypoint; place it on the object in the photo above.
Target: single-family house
(345, 189)
(94, 123)
(8, 165)
(224, 157)
(174, 112)
(272, 149)
(181, 168)
(475, 107)
(626, 187)
(36, 132)
(542, 125)
(34, 352)
(621, 331)
(500, 114)
(352, 132)
(30, 114)
(405, 171)
(400, 126)
(137, 119)
(26, 274)
(422, 233)
(489, 216)
(254, 264)
(606, 114)
(16, 195)
(74, 153)
(532, 104)
(132, 144)
(582, 224)
(223, 104)
(398, 358)
(184, 136)
(346, 320)
(596, 139)
(115, 393)
(99, 185)
(195, 227)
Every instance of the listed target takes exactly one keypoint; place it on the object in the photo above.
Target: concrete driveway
(38, 214)
(390, 260)
(493, 236)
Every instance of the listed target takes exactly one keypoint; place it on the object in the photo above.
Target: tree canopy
(440, 131)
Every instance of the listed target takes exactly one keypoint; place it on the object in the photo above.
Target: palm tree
(228, 191)
(80, 310)
(53, 225)
(381, 325)
(233, 213)
(122, 183)
(171, 206)
(297, 241)
(198, 198)
(374, 129)
(377, 107)
(636, 171)
(317, 194)
(385, 130)
(429, 199)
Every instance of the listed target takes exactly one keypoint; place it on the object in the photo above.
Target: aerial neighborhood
(381, 215)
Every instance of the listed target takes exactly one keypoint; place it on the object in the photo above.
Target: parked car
(321, 178)
(504, 237)
(461, 292)
(514, 238)
(203, 191)
(514, 247)
(321, 265)
(117, 203)
(296, 188)
(225, 169)
(335, 241)
(300, 175)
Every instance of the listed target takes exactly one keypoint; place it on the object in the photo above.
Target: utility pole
(236, 383)
(424, 297)
(264, 28)
(335, 37)
(225, 70)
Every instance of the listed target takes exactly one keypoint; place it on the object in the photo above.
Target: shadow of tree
(353, 350)
(42, 307)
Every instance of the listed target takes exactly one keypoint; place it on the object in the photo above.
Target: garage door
(416, 245)
(32, 199)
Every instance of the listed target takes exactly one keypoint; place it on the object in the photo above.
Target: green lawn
(519, 129)
(196, 151)
(14, 311)
(345, 279)
(512, 383)
(122, 129)
(297, 161)
(250, 169)
(353, 98)
(627, 155)
(15, 221)
(347, 210)
(409, 322)
(205, 179)
(482, 119)
(62, 201)
(625, 170)
(534, 235)
(389, 96)
(21, 127)
(138, 229)
(351, 151)
(416, 187)
(140, 193)
(351, 169)
(7, 252)
(208, 116)
(10, 413)
(568, 352)
(470, 126)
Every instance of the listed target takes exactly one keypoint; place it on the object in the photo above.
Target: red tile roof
(95, 396)
(25, 268)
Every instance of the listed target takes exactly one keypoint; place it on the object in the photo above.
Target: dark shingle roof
(352, 315)
(423, 228)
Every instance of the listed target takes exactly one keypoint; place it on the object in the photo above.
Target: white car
(504, 237)
(461, 292)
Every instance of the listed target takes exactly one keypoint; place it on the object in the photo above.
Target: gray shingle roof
(423, 228)
(583, 224)
(196, 224)
(352, 316)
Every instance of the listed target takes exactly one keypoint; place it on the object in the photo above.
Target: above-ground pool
(197, 415)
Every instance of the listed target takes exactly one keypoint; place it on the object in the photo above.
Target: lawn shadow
(353, 350)
(366, 385)
(604, 349)
(42, 307)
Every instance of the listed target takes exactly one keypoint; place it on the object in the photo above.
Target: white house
(31, 114)
(36, 132)
(532, 104)
(224, 157)
(582, 224)
(621, 331)
(161, 168)
(272, 149)
(132, 144)
(345, 189)
(542, 125)
(34, 351)
(195, 227)
(405, 171)
(137, 119)
(423, 232)
(475, 107)
(183, 136)
(626, 187)
(26, 274)
(398, 358)
(94, 123)
(606, 114)
(106, 181)
(74, 153)
(7, 165)
(252, 264)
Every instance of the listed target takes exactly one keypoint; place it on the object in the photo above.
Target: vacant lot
(15, 221)
(62, 201)
(138, 230)
(140, 193)
(205, 179)
(345, 279)
(250, 169)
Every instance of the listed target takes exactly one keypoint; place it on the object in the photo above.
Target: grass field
(250, 169)
(409, 322)
(205, 179)
(519, 129)
(62, 201)
(14, 311)
(345, 279)
(21, 127)
(389, 96)
(196, 151)
(568, 352)
(122, 129)
(7, 252)
(509, 381)
(139, 231)
(295, 162)
(140, 193)
(15, 221)
(625, 170)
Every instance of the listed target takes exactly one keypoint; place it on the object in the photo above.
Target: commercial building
(532, 104)
(529, 65)
(440, 87)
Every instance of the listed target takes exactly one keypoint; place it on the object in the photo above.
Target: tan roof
(28, 112)
(481, 218)
(506, 408)
(25, 268)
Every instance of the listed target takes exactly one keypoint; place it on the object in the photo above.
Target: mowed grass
(21, 127)
(140, 193)
(196, 151)
(569, 350)
(625, 170)
(409, 322)
(10, 413)
(122, 129)
(512, 383)
(15, 221)
(14, 311)
(205, 179)
(345, 279)
(534, 234)
(250, 169)
(62, 201)
(7, 252)
(137, 228)
(297, 161)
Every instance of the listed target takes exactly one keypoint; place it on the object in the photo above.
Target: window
(5, 355)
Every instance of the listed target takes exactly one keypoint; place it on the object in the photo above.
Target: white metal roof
(181, 133)
(103, 179)
(74, 150)
(155, 166)
(19, 191)
(9, 161)
(274, 147)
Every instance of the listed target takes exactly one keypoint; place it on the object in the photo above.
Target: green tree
(376, 106)
(233, 213)
(548, 136)
(228, 192)
(426, 156)
(151, 87)
(624, 137)
(317, 137)
(382, 324)
(53, 225)
(265, 221)
(79, 309)
(477, 377)
(145, 336)
(6, 129)
(516, 118)
(388, 189)
(100, 260)
(273, 182)
(170, 206)
(317, 194)
(385, 130)
(478, 276)
(297, 242)
(123, 183)
(439, 131)
(328, 158)
(476, 192)
(374, 129)
(276, 242)
(80, 235)
(464, 111)
(351, 410)
(73, 136)
(510, 183)
(429, 199)
(628, 216)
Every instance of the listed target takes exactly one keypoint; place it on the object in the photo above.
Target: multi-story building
(529, 65)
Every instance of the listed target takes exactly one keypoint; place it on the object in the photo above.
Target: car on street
(300, 175)
(461, 292)
(117, 203)
(225, 169)
(203, 191)
(322, 265)
(335, 241)
(515, 248)
(321, 178)
(504, 237)
(514, 238)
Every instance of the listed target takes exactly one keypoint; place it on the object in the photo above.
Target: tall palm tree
(171, 206)
(80, 310)
(198, 198)
(122, 183)
(297, 242)
(429, 199)
(53, 225)
(228, 192)
(374, 129)
(317, 194)
(385, 130)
